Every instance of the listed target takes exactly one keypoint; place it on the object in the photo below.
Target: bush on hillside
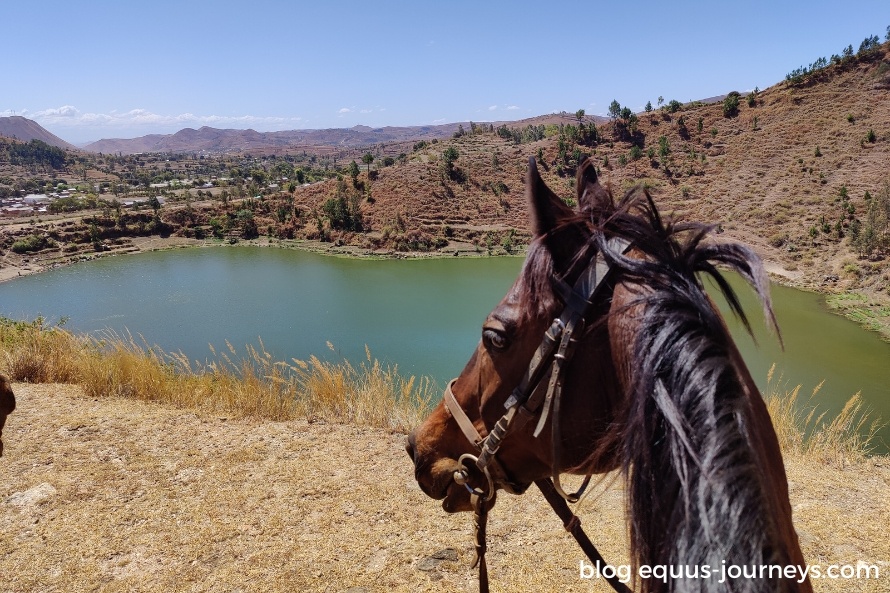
(32, 243)
(731, 104)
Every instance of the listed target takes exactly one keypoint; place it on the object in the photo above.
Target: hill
(215, 140)
(21, 128)
(799, 171)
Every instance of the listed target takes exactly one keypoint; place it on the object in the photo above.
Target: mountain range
(217, 140)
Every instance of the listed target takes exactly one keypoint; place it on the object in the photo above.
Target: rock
(32, 496)
(429, 563)
(433, 561)
(446, 554)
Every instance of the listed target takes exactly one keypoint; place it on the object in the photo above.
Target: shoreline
(10, 269)
(862, 309)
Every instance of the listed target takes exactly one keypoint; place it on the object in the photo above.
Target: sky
(90, 69)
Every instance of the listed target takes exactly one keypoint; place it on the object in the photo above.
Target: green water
(423, 315)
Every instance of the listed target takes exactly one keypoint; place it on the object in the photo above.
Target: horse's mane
(697, 492)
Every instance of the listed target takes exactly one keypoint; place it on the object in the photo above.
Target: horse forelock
(534, 287)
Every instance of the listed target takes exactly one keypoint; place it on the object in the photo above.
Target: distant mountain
(217, 140)
(24, 129)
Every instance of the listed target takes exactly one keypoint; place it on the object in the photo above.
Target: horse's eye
(494, 339)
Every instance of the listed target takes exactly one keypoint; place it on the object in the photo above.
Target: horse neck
(706, 484)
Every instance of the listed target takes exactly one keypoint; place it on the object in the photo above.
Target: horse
(7, 406)
(648, 382)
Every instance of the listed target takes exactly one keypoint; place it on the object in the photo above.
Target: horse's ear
(592, 197)
(546, 209)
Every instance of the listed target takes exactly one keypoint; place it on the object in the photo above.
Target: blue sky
(87, 70)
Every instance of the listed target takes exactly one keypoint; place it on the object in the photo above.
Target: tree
(353, 171)
(448, 157)
(614, 109)
(664, 150)
(869, 44)
(648, 106)
(731, 104)
(636, 153)
(579, 115)
(368, 159)
(681, 127)
(155, 204)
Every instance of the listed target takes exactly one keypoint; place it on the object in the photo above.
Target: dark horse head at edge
(656, 388)
(7, 405)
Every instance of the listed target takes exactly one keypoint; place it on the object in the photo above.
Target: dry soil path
(120, 495)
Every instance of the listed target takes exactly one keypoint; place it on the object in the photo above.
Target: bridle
(529, 400)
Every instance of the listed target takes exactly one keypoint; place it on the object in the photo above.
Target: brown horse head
(510, 335)
(7, 405)
(655, 387)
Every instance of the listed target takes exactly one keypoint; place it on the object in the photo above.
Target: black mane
(697, 495)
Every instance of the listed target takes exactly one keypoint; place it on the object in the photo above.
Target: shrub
(731, 104)
(32, 243)
(778, 239)
(870, 136)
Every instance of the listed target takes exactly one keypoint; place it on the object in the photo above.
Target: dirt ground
(120, 495)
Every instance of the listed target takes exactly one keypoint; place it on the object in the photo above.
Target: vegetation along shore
(798, 171)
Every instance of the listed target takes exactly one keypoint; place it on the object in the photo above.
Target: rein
(526, 401)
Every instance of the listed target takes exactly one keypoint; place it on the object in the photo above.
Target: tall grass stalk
(252, 385)
(804, 429)
(370, 394)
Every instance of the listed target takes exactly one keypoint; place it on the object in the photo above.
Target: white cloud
(65, 111)
(345, 110)
(513, 107)
(69, 115)
(492, 107)
(89, 125)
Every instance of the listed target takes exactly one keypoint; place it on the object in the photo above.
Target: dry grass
(36, 353)
(116, 495)
(370, 394)
(804, 429)
(253, 385)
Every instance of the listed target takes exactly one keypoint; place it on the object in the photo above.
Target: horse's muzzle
(436, 479)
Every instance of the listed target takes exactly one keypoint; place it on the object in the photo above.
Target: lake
(423, 315)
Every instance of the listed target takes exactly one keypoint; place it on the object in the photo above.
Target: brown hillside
(24, 129)
(756, 174)
(771, 174)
